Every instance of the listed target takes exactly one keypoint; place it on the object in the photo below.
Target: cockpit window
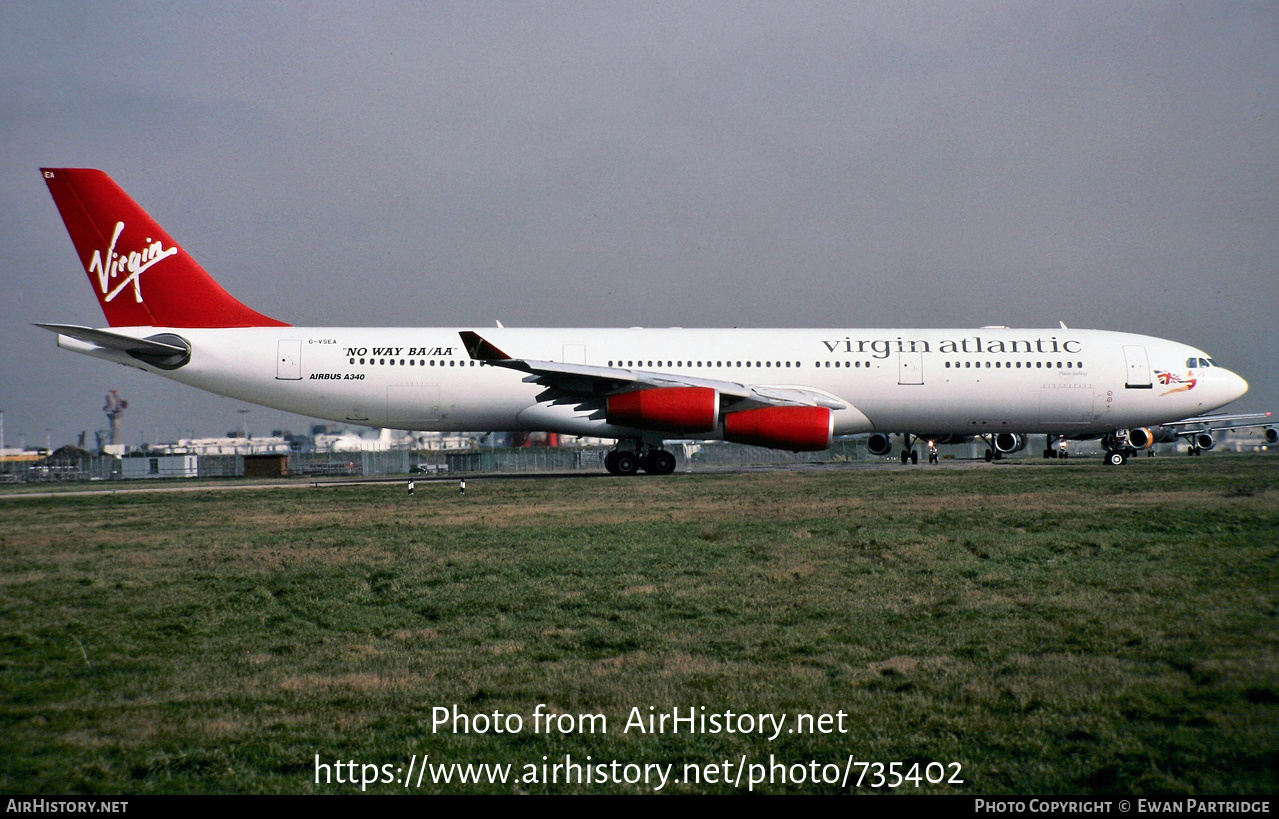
(1196, 363)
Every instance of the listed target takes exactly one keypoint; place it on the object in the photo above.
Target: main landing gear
(909, 455)
(992, 451)
(1055, 447)
(652, 460)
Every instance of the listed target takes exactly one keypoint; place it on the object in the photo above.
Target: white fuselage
(969, 381)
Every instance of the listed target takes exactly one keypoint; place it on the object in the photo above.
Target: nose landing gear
(1116, 457)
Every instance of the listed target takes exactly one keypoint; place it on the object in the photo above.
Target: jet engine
(666, 409)
(1146, 437)
(879, 444)
(1204, 441)
(1010, 442)
(1271, 435)
(799, 429)
(1141, 438)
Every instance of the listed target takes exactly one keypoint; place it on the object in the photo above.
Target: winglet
(479, 349)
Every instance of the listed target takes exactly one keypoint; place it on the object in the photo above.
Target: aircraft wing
(1209, 423)
(580, 383)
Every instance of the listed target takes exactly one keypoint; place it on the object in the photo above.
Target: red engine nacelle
(666, 409)
(799, 429)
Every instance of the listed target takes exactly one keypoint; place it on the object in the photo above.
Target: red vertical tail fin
(141, 276)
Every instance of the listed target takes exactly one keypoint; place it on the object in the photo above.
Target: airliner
(791, 389)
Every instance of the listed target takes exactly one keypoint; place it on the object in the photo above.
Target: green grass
(1055, 628)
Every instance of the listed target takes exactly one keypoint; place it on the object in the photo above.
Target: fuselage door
(910, 368)
(1138, 372)
(288, 360)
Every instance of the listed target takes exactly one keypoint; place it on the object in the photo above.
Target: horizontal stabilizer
(166, 350)
(115, 341)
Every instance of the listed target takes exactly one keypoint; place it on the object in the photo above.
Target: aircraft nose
(1236, 387)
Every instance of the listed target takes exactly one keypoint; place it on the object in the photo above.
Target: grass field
(1052, 628)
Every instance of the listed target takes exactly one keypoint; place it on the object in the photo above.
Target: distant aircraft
(783, 388)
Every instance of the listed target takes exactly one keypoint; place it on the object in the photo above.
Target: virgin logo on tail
(135, 264)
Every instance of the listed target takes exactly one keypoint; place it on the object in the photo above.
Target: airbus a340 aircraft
(788, 389)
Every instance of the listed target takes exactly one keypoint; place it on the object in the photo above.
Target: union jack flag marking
(1168, 379)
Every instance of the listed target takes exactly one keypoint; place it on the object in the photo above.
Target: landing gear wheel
(990, 455)
(610, 462)
(914, 457)
(659, 462)
(1116, 458)
(626, 463)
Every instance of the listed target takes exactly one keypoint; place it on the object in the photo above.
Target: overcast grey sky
(1112, 165)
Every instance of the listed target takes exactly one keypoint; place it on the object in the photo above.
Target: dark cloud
(596, 164)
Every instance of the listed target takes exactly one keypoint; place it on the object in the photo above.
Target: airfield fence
(89, 467)
(406, 462)
(82, 468)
